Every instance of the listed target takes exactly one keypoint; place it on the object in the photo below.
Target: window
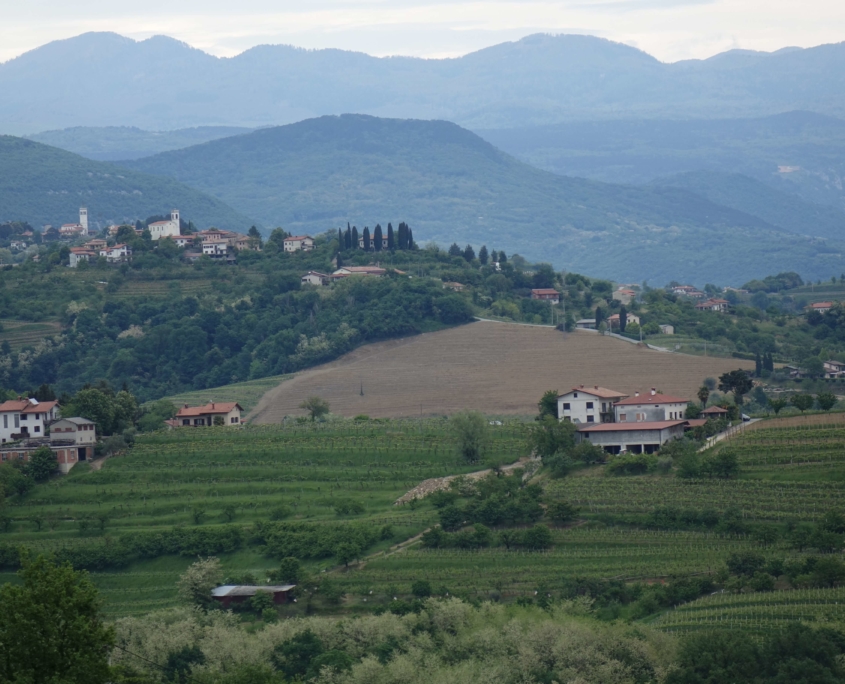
(23, 416)
(5, 422)
(575, 394)
(589, 405)
(623, 417)
(17, 420)
(603, 407)
(591, 419)
(37, 428)
(566, 407)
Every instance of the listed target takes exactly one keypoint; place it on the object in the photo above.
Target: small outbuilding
(715, 412)
(230, 594)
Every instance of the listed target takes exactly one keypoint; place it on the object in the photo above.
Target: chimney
(595, 386)
(636, 394)
(653, 391)
(186, 406)
(581, 386)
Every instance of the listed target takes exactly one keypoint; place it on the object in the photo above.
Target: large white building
(25, 418)
(588, 404)
(170, 228)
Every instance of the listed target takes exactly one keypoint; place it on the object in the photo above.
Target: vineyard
(817, 439)
(760, 612)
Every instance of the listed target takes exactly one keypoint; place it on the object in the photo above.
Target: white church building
(162, 229)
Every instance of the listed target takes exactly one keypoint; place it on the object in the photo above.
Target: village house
(116, 253)
(213, 413)
(296, 243)
(182, 240)
(315, 278)
(230, 594)
(346, 271)
(719, 305)
(650, 407)
(161, 229)
(614, 320)
(21, 418)
(821, 307)
(667, 329)
(78, 254)
(639, 438)
(96, 244)
(588, 404)
(624, 295)
(17, 245)
(546, 294)
(73, 440)
(373, 242)
(834, 369)
(455, 287)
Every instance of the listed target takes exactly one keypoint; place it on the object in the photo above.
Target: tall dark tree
(391, 239)
(503, 258)
(366, 238)
(340, 240)
(347, 239)
(469, 253)
(411, 244)
(354, 237)
(483, 256)
(455, 251)
(599, 316)
(403, 236)
(623, 319)
(378, 238)
(758, 365)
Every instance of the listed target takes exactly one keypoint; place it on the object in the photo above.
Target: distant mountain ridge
(42, 184)
(451, 185)
(162, 84)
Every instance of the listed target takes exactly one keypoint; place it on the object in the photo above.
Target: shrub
(633, 464)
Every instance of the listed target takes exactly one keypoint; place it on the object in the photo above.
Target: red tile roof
(214, 407)
(597, 391)
(617, 427)
(545, 291)
(298, 238)
(821, 305)
(717, 410)
(652, 399)
(697, 422)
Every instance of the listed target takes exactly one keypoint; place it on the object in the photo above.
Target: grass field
(247, 394)
(497, 368)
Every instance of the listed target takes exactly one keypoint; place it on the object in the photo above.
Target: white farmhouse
(25, 418)
(588, 404)
(161, 229)
(650, 407)
(294, 243)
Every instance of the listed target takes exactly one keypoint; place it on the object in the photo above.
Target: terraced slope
(498, 368)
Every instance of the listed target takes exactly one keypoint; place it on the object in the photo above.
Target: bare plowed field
(497, 368)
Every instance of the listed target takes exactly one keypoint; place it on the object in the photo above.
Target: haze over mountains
(103, 79)
(453, 186)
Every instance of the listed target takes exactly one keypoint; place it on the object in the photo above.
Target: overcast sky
(668, 29)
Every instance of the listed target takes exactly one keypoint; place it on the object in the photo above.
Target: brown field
(497, 368)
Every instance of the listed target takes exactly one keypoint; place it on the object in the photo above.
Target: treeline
(401, 239)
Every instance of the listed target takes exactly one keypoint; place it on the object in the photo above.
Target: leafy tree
(537, 538)
(51, 630)
(336, 661)
(550, 436)
(483, 256)
(548, 404)
(179, 663)
(94, 405)
(561, 511)
(472, 434)
(777, 404)
(42, 463)
(826, 400)
(317, 407)
(803, 402)
(736, 381)
(347, 552)
(421, 588)
(289, 572)
(692, 411)
(724, 464)
(44, 393)
(378, 238)
(293, 657)
(198, 580)
(703, 395)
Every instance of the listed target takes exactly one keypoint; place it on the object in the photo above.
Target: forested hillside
(127, 142)
(41, 184)
(454, 186)
(539, 79)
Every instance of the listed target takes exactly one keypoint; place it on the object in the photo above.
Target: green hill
(109, 143)
(42, 184)
(451, 185)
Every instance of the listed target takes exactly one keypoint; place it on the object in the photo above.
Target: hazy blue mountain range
(797, 152)
(128, 142)
(451, 185)
(43, 184)
(103, 79)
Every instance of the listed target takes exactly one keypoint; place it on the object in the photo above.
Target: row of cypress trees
(402, 238)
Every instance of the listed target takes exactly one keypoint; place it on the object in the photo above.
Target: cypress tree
(348, 237)
(366, 239)
(391, 240)
(354, 237)
(340, 241)
(377, 238)
(758, 365)
(482, 255)
(623, 319)
(503, 258)
(599, 314)
(469, 253)
(411, 244)
(403, 236)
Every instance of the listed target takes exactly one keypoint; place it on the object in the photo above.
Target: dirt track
(497, 368)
